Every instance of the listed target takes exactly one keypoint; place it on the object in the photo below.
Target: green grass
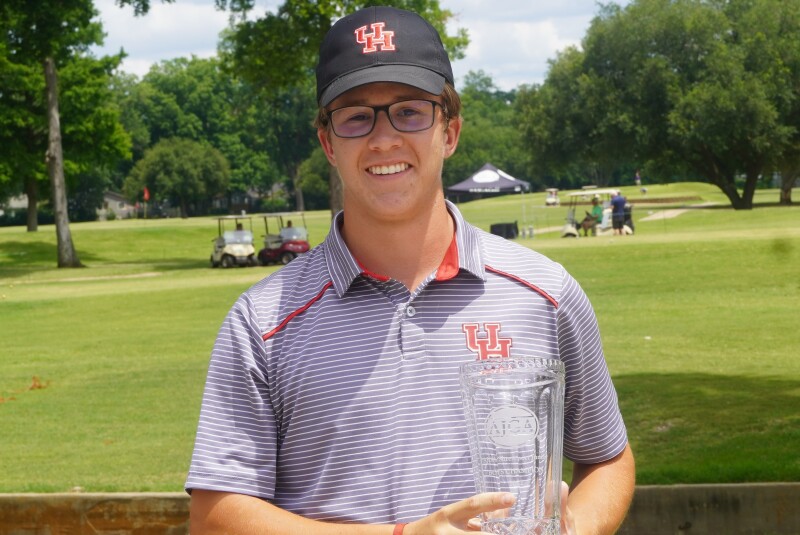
(698, 316)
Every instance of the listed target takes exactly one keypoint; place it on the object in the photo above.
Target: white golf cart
(552, 197)
(233, 245)
(574, 225)
(290, 241)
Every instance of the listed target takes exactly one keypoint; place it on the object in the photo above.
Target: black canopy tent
(489, 179)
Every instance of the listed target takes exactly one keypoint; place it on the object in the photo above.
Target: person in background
(638, 180)
(618, 213)
(593, 218)
(332, 402)
(288, 232)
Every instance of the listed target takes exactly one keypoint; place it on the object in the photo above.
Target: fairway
(102, 368)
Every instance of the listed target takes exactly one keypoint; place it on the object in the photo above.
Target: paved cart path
(674, 212)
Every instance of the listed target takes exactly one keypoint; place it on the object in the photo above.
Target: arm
(213, 512)
(600, 496)
(594, 433)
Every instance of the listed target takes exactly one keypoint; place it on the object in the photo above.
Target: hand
(567, 520)
(459, 517)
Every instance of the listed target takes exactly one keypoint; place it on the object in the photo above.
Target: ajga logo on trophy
(511, 425)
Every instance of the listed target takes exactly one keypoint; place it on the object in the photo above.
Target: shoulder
(289, 288)
(503, 257)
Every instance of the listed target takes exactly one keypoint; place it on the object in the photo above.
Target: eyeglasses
(405, 116)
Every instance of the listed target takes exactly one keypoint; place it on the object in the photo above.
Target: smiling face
(390, 175)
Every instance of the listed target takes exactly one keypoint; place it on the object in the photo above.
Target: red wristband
(398, 529)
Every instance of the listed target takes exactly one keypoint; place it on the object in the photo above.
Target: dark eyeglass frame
(385, 108)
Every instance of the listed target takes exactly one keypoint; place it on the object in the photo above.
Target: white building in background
(13, 204)
(118, 204)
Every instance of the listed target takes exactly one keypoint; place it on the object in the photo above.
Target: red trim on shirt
(368, 273)
(449, 266)
(297, 312)
(526, 283)
(446, 270)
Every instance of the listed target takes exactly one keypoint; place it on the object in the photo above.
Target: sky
(510, 40)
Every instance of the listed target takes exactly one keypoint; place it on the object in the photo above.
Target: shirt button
(410, 311)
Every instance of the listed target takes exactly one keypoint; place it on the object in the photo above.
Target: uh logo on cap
(378, 37)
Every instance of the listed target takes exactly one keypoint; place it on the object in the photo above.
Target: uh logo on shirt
(489, 344)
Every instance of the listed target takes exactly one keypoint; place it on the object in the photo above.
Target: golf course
(102, 367)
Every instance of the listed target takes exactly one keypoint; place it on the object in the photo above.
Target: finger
(461, 512)
(474, 524)
(567, 520)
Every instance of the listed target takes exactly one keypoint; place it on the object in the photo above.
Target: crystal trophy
(515, 412)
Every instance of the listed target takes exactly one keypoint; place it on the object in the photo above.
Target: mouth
(388, 169)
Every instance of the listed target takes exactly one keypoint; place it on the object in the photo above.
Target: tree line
(706, 89)
(681, 89)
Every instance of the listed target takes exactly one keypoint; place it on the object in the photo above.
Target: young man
(332, 404)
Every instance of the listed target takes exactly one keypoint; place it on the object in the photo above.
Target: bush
(19, 217)
(274, 205)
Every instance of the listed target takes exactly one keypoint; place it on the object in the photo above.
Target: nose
(384, 135)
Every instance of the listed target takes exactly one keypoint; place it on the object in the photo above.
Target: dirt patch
(36, 384)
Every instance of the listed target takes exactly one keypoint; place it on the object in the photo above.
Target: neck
(406, 250)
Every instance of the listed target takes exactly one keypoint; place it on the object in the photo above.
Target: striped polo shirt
(334, 393)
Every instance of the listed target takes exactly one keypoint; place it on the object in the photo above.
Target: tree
(193, 98)
(313, 177)
(567, 129)
(50, 33)
(280, 49)
(23, 132)
(770, 29)
(94, 139)
(47, 33)
(489, 133)
(278, 52)
(184, 172)
(790, 176)
(554, 124)
(290, 119)
(707, 88)
(691, 85)
(124, 94)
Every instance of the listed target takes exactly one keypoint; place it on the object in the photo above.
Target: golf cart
(289, 242)
(574, 225)
(233, 245)
(552, 197)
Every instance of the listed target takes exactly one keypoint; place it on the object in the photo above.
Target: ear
(451, 136)
(324, 136)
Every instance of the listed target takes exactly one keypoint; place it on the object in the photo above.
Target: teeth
(388, 169)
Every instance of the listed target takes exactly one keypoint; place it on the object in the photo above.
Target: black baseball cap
(381, 44)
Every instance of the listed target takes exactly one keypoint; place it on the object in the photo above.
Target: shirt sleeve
(593, 427)
(236, 443)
